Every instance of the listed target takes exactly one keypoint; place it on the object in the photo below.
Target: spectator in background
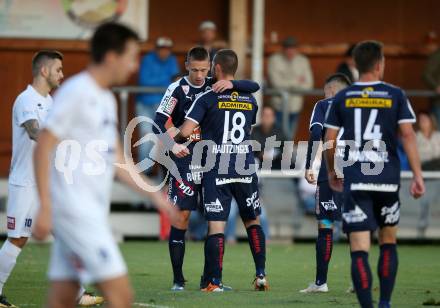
(157, 69)
(431, 76)
(428, 143)
(208, 38)
(264, 130)
(290, 70)
(347, 67)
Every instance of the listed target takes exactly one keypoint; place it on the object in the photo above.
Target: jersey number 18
(236, 133)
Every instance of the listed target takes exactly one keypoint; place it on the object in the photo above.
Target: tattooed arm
(32, 128)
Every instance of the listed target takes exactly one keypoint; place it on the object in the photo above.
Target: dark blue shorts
(186, 194)
(367, 210)
(328, 203)
(218, 193)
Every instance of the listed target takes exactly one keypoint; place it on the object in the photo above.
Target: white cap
(207, 25)
(164, 42)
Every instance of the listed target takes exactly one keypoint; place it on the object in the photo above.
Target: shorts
(84, 250)
(367, 210)
(187, 194)
(328, 203)
(22, 207)
(218, 193)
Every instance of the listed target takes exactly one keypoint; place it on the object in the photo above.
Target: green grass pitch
(289, 267)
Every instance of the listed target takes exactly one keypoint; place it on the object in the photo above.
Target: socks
(362, 278)
(257, 243)
(214, 251)
(81, 292)
(176, 246)
(324, 247)
(387, 271)
(8, 258)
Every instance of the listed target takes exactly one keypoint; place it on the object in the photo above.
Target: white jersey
(29, 105)
(84, 119)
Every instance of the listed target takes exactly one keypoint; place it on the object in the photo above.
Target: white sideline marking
(150, 305)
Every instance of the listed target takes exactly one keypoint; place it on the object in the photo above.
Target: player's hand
(417, 188)
(43, 224)
(222, 85)
(310, 176)
(180, 150)
(336, 183)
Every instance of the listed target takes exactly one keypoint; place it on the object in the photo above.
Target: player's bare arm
(42, 155)
(186, 130)
(32, 128)
(417, 188)
(330, 138)
(222, 85)
(125, 175)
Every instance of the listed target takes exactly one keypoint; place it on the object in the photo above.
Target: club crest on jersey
(329, 206)
(234, 96)
(355, 215)
(214, 207)
(11, 223)
(185, 89)
(391, 213)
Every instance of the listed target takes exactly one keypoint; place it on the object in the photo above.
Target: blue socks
(362, 278)
(176, 246)
(324, 247)
(387, 271)
(257, 243)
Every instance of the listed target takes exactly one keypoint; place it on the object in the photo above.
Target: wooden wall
(324, 28)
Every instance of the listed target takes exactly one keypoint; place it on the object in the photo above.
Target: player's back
(226, 120)
(370, 114)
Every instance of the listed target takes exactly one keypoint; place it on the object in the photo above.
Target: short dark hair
(41, 57)
(269, 106)
(198, 53)
(110, 37)
(338, 77)
(228, 61)
(366, 54)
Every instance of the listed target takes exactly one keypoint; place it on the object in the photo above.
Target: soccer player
(74, 189)
(328, 202)
(225, 121)
(28, 114)
(186, 194)
(373, 114)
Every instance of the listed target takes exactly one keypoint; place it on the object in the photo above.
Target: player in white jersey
(28, 114)
(75, 160)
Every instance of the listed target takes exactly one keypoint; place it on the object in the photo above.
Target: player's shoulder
(323, 103)
(393, 88)
(78, 84)
(176, 85)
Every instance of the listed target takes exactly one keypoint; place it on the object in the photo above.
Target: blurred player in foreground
(328, 202)
(372, 114)
(75, 192)
(225, 120)
(186, 194)
(28, 115)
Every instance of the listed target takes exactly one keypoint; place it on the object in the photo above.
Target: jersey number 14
(372, 130)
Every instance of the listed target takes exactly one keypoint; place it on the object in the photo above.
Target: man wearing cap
(290, 70)
(208, 35)
(158, 69)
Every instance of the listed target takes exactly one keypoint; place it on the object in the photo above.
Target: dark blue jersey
(181, 94)
(226, 120)
(370, 114)
(318, 118)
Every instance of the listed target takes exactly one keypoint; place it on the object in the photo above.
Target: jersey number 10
(238, 122)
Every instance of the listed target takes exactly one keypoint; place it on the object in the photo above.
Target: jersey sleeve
(24, 110)
(405, 112)
(170, 100)
(198, 109)
(65, 115)
(245, 86)
(318, 116)
(254, 116)
(333, 119)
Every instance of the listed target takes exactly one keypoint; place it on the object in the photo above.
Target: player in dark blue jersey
(226, 120)
(328, 202)
(185, 193)
(372, 114)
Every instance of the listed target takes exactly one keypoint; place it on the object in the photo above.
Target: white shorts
(84, 250)
(22, 207)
